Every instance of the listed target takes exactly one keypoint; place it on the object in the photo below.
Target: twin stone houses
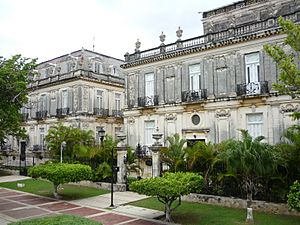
(204, 88)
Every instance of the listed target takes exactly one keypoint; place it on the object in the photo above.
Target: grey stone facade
(82, 89)
(234, 90)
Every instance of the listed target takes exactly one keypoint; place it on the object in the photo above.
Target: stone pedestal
(155, 161)
(122, 152)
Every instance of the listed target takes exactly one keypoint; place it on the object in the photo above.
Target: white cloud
(47, 29)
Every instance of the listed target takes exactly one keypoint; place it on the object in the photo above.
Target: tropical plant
(169, 188)
(132, 164)
(287, 61)
(174, 155)
(249, 160)
(14, 77)
(294, 196)
(61, 173)
(78, 142)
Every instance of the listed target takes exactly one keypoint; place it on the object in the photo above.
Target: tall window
(194, 72)
(149, 130)
(43, 102)
(64, 99)
(149, 89)
(42, 138)
(255, 124)
(98, 67)
(252, 67)
(99, 99)
(117, 101)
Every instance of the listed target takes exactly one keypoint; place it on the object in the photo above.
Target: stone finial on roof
(162, 38)
(137, 45)
(179, 33)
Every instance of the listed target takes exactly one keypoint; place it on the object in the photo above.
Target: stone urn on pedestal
(121, 158)
(155, 148)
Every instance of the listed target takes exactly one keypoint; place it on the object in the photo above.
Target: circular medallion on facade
(195, 119)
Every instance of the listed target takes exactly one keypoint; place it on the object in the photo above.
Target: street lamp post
(62, 146)
(101, 133)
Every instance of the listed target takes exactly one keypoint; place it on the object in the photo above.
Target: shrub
(61, 173)
(294, 196)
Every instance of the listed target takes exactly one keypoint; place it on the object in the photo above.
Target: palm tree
(249, 159)
(132, 164)
(174, 155)
(204, 155)
(290, 151)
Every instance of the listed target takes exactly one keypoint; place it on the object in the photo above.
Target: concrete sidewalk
(123, 214)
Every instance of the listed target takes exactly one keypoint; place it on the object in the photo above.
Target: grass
(202, 214)
(57, 220)
(45, 188)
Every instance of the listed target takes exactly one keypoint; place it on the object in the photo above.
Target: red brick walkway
(15, 206)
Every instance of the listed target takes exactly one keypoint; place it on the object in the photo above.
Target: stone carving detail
(289, 108)
(222, 113)
(131, 90)
(131, 120)
(171, 117)
(221, 63)
(137, 45)
(179, 33)
(162, 38)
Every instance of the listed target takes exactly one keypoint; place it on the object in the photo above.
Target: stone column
(155, 148)
(121, 158)
(122, 152)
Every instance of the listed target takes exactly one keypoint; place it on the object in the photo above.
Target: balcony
(24, 116)
(38, 148)
(253, 88)
(148, 101)
(5, 147)
(194, 96)
(62, 112)
(101, 112)
(117, 113)
(40, 115)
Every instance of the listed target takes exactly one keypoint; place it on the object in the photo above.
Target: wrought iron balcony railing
(24, 116)
(39, 115)
(39, 148)
(194, 96)
(101, 112)
(117, 113)
(252, 88)
(5, 147)
(148, 101)
(62, 112)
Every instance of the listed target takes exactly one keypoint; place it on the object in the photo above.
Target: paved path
(16, 205)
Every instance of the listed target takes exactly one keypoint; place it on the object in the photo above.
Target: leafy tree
(61, 173)
(14, 77)
(289, 77)
(250, 160)
(174, 155)
(168, 188)
(294, 196)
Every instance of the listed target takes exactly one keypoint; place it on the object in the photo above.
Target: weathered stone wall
(261, 206)
(101, 185)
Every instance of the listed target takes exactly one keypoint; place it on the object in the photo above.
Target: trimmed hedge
(61, 173)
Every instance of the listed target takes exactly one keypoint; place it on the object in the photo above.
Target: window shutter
(70, 99)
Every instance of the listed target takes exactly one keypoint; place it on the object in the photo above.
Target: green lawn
(45, 188)
(58, 220)
(202, 214)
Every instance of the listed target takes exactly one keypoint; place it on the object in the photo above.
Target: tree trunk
(168, 212)
(55, 193)
(249, 218)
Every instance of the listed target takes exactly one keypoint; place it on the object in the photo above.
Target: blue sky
(46, 29)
